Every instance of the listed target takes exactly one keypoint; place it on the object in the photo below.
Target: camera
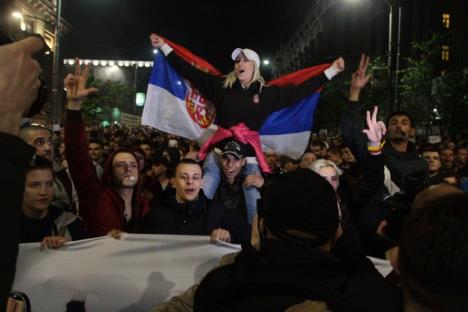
(41, 96)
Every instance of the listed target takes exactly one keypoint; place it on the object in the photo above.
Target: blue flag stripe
(293, 119)
(164, 76)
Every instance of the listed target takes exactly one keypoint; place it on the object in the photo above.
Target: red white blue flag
(173, 106)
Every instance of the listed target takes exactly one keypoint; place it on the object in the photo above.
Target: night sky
(119, 29)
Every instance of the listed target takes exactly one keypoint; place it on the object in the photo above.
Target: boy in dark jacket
(189, 212)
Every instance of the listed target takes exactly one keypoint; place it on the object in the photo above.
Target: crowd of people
(305, 225)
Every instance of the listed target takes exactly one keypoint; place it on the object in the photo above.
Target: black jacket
(232, 195)
(282, 274)
(236, 104)
(199, 217)
(15, 155)
(407, 169)
(56, 222)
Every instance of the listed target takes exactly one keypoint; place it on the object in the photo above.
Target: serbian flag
(172, 105)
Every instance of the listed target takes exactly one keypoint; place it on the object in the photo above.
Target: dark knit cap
(303, 201)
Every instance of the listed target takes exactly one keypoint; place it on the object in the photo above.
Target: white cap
(434, 139)
(173, 143)
(249, 54)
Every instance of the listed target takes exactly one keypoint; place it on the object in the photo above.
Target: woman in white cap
(243, 102)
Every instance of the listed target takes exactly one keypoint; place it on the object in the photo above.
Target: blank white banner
(132, 274)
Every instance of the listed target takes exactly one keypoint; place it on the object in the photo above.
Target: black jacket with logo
(250, 105)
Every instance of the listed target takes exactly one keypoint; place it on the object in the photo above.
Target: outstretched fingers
(77, 67)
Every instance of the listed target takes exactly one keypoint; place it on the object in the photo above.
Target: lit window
(445, 53)
(446, 20)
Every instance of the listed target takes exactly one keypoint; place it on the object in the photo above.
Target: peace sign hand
(376, 129)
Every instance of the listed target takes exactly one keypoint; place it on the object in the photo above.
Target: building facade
(350, 27)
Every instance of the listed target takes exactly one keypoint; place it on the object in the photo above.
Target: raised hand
(359, 79)
(339, 65)
(376, 129)
(76, 85)
(156, 41)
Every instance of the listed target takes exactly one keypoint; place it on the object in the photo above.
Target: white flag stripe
(163, 106)
(287, 144)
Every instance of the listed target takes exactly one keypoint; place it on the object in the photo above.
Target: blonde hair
(321, 163)
(231, 78)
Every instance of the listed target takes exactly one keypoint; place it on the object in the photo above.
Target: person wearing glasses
(115, 201)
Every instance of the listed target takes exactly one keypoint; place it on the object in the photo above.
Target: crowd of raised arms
(305, 225)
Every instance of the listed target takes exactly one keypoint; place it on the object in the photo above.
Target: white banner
(132, 274)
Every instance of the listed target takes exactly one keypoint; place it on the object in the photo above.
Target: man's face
(147, 149)
(158, 169)
(61, 149)
(433, 161)
(39, 190)
(42, 141)
(306, 160)
(336, 158)
(95, 151)
(347, 155)
(125, 170)
(317, 150)
(188, 181)
(290, 166)
(461, 155)
(446, 157)
(140, 159)
(399, 128)
(231, 166)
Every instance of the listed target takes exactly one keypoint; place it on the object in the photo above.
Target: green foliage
(335, 94)
(416, 79)
(376, 93)
(111, 94)
(332, 101)
(91, 107)
(451, 100)
(432, 98)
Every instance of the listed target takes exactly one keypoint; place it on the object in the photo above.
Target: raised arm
(373, 163)
(290, 95)
(351, 120)
(80, 165)
(208, 84)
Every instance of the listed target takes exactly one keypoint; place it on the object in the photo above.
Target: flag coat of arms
(174, 106)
